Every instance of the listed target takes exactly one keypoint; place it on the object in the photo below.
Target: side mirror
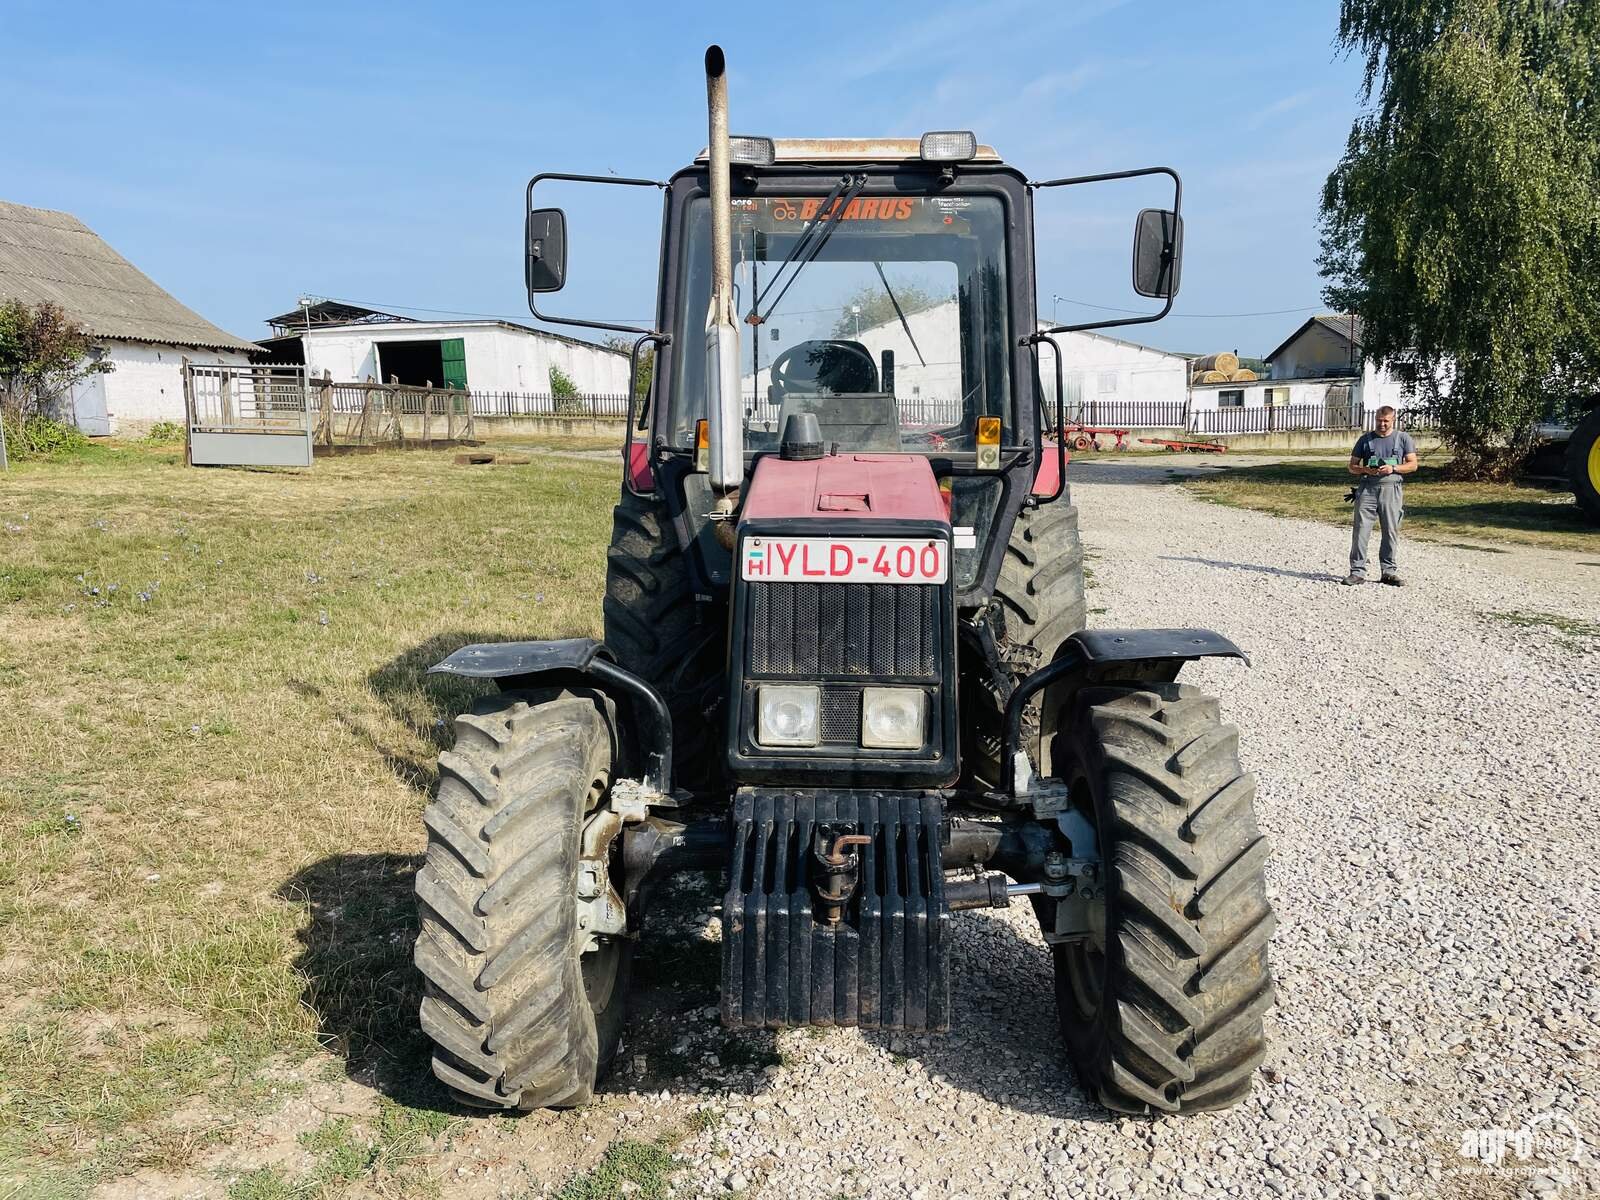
(547, 250)
(1157, 253)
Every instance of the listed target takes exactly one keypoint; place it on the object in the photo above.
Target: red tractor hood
(841, 487)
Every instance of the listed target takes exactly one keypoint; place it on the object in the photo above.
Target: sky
(246, 155)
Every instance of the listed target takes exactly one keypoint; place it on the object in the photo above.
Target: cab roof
(864, 150)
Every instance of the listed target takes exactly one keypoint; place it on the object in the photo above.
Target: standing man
(1382, 459)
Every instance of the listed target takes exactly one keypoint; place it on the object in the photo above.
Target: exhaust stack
(722, 330)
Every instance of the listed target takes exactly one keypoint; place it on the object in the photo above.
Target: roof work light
(951, 145)
(756, 151)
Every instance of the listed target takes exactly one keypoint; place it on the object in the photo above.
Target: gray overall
(1378, 499)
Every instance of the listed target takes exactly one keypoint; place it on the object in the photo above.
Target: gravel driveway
(1428, 779)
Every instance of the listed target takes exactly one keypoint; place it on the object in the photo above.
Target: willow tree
(1463, 222)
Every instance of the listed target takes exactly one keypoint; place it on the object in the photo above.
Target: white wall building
(141, 330)
(355, 344)
(1097, 368)
(1318, 364)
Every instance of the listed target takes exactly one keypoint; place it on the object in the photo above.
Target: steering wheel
(840, 361)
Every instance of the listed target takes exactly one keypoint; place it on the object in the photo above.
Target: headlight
(893, 718)
(786, 716)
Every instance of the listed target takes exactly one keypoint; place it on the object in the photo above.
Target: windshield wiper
(846, 190)
(904, 324)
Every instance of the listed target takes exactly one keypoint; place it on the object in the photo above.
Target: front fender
(1092, 655)
(542, 664)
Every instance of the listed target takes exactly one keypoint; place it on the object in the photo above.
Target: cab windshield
(895, 334)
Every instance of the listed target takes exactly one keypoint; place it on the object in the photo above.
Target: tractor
(845, 663)
(1583, 460)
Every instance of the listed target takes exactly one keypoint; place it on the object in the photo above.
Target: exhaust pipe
(722, 330)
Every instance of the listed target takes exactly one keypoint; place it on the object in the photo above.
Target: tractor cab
(884, 294)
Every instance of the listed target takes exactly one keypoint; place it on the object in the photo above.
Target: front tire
(1038, 603)
(1163, 1011)
(519, 1015)
(659, 632)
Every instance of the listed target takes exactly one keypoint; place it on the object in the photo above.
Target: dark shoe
(1352, 579)
(1394, 581)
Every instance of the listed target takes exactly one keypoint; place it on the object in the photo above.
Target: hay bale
(1227, 362)
(1209, 377)
(1243, 375)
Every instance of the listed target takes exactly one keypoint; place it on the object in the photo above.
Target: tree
(1462, 222)
(43, 354)
(646, 369)
(877, 309)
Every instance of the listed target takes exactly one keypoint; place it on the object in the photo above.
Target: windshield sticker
(862, 208)
(790, 214)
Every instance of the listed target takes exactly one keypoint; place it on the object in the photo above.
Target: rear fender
(1096, 655)
(514, 665)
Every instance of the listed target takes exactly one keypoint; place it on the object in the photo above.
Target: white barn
(141, 330)
(1321, 364)
(353, 344)
(1099, 369)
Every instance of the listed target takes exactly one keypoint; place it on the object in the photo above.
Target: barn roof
(1338, 324)
(47, 255)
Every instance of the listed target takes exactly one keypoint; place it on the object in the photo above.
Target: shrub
(561, 385)
(165, 432)
(40, 437)
(568, 400)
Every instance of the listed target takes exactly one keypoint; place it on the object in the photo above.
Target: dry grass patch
(218, 736)
(1437, 509)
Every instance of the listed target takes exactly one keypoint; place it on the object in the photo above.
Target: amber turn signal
(702, 445)
(988, 443)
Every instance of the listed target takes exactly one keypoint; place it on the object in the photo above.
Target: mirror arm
(1177, 212)
(659, 339)
(1061, 415)
(569, 178)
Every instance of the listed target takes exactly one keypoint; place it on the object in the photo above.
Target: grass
(1437, 509)
(1572, 629)
(217, 738)
(641, 1170)
(343, 1152)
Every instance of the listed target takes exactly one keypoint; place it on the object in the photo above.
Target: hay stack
(1227, 362)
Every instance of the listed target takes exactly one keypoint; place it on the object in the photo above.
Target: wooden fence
(375, 414)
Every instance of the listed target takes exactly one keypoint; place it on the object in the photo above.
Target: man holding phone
(1382, 459)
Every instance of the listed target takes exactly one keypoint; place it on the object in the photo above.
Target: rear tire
(1038, 603)
(655, 628)
(1165, 1013)
(519, 1015)
(1583, 464)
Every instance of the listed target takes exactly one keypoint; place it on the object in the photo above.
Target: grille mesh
(841, 716)
(812, 629)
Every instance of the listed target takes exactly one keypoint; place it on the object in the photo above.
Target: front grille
(827, 630)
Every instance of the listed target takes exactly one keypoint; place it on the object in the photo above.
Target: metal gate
(247, 416)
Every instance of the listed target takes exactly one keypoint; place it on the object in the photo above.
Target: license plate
(845, 560)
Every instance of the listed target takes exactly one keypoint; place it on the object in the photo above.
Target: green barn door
(454, 353)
